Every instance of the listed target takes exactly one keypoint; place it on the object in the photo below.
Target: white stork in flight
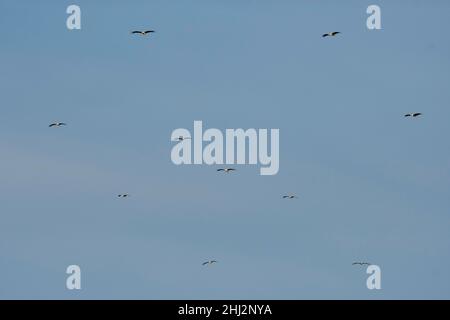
(181, 138)
(361, 263)
(210, 262)
(290, 196)
(57, 124)
(330, 34)
(416, 114)
(226, 170)
(142, 33)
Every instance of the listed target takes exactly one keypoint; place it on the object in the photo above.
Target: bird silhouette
(181, 138)
(57, 124)
(361, 263)
(226, 170)
(142, 33)
(416, 114)
(330, 34)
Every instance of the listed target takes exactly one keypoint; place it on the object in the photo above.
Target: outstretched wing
(416, 114)
(335, 33)
(148, 31)
(136, 31)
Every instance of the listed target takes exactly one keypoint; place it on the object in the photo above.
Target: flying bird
(123, 195)
(361, 263)
(226, 170)
(142, 33)
(416, 114)
(57, 124)
(290, 196)
(181, 138)
(209, 262)
(330, 34)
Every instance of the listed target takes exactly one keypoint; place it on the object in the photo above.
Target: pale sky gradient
(372, 185)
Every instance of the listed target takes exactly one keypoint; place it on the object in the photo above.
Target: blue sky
(372, 185)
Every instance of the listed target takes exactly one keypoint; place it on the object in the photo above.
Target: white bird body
(226, 170)
(330, 34)
(57, 124)
(413, 115)
(142, 33)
